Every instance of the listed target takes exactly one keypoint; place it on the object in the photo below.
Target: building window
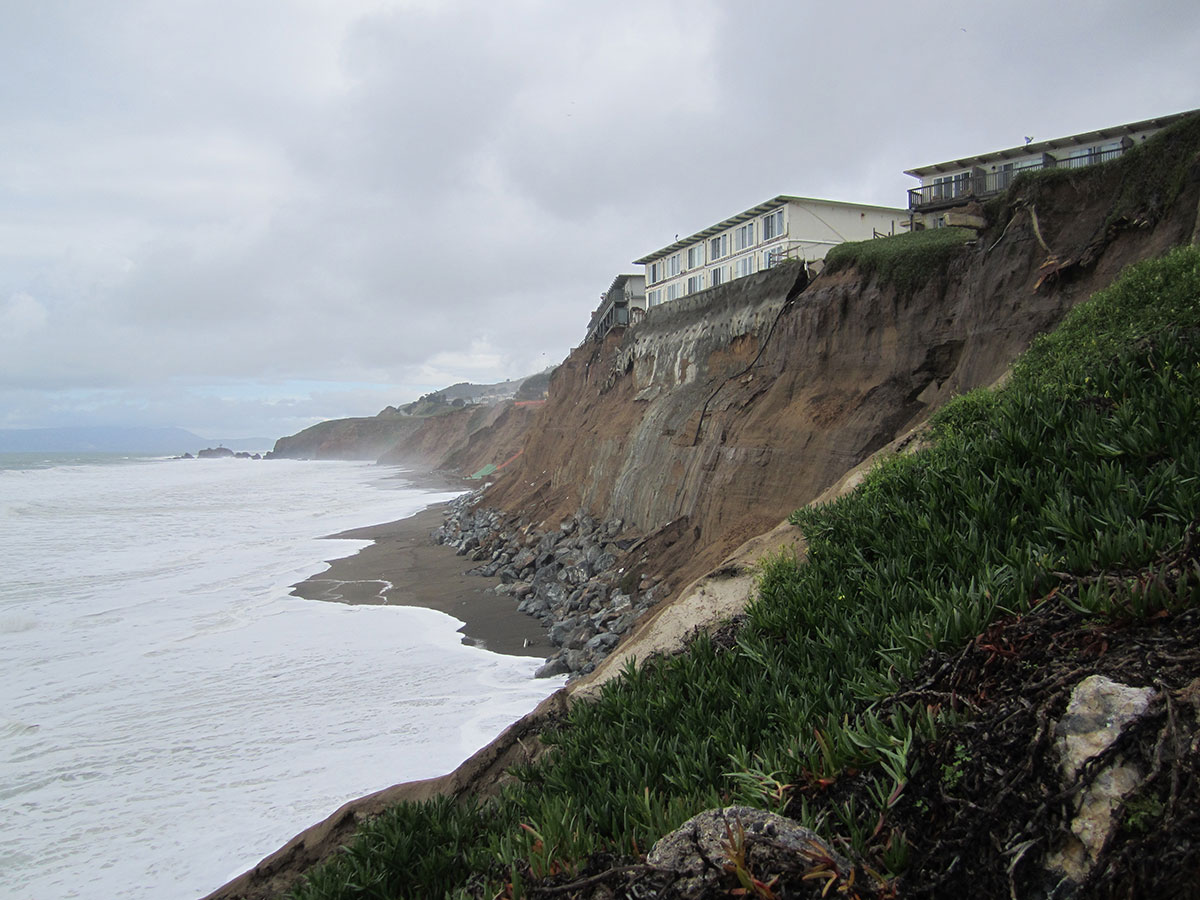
(743, 237)
(653, 271)
(673, 266)
(744, 266)
(1005, 177)
(770, 257)
(947, 187)
(695, 283)
(718, 247)
(772, 225)
(673, 291)
(716, 276)
(653, 298)
(1086, 156)
(695, 256)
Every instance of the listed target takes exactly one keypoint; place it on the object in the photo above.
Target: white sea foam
(168, 713)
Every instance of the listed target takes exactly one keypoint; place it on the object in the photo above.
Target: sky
(244, 216)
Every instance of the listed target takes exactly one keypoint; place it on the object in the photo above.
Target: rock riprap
(581, 579)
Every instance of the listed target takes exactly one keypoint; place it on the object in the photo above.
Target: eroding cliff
(720, 414)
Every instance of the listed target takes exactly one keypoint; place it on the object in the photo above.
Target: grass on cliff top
(904, 260)
(1087, 462)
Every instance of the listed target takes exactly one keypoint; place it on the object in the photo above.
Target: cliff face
(717, 416)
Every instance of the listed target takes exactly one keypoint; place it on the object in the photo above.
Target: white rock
(1099, 710)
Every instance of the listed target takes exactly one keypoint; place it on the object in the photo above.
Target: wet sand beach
(405, 568)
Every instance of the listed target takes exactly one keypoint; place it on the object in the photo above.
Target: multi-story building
(758, 238)
(959, 181)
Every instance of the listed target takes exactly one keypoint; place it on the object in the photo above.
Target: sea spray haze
(168, 713)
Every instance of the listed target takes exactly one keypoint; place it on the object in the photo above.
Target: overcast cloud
(241, 217)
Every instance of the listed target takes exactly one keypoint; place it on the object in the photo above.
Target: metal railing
(978, 185)
(785, 251)
(1090, 158)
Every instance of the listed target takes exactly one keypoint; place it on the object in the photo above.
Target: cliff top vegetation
(905, 260)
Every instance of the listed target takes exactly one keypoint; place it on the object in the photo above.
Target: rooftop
(1034, 147)
(746, 215)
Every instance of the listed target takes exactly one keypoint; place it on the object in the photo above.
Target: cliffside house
(622, 304)
(758, 238)
(959, 181)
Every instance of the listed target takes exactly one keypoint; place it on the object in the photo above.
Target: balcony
(979, 184)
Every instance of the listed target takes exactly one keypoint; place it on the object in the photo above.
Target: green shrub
(413, 850)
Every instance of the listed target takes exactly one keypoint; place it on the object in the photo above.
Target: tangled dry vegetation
(987, 795)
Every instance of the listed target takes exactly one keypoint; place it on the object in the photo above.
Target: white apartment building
(784, 227)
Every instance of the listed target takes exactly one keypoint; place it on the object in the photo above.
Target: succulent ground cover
(1049, 526)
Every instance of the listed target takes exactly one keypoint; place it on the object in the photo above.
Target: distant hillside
(432, 431)
(531, 387)
(364, 437)
(535, 386)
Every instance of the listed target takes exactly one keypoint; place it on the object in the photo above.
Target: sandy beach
(405, 568)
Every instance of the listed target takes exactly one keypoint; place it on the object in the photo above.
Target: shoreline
(404, 567)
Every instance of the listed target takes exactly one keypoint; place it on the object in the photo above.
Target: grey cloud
(378, 192)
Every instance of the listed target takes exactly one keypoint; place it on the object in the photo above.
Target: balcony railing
(979, 184)
(783, 252)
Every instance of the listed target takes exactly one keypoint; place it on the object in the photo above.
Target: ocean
(168, 713)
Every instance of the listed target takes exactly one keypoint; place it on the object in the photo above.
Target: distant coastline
(119, 439)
